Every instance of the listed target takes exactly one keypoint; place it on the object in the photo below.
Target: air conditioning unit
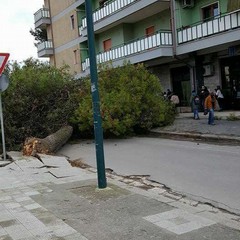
(208, 70)
(187, 3)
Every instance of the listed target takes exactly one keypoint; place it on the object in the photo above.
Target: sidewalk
(50, 199)
(53, 200)
(225, 131)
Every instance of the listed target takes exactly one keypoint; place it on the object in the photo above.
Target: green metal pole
(95, 98)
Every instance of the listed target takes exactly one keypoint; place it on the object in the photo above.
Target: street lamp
(95, 98)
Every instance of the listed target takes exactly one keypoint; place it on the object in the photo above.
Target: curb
(197, 136)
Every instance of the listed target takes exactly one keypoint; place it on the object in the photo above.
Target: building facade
(186, 43)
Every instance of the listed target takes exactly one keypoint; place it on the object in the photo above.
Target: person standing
(195, 103)
(209, 106)
(168, 94)
(203, 94)
(220, 98)
(175, 101)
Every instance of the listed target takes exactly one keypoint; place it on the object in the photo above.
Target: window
(75, 56)
(107, 44)
(72, 22)
(210, 11)
(149, 31)
(102, 3)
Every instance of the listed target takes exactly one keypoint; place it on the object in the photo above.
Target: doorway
(230, 72)
(181, 84)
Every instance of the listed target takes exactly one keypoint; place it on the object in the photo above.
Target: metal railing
(109, 8)
(160, 38)
(41, 13)
(45, 45)
(220, 23)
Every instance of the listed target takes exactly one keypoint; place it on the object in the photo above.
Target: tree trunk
(47, 145)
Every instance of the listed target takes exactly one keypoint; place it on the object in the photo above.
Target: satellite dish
(4, 82)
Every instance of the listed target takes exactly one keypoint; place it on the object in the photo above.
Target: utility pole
(95, 98)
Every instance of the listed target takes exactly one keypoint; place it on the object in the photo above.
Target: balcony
(217, 28)
(42, 18)
(45, 49)
(118, 11)
(108, 9)
(139, 50)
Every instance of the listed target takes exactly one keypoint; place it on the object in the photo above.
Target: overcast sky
(16, 19)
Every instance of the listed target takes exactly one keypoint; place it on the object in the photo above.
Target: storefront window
(227, 77)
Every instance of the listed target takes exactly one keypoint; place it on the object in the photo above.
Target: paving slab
(4, 163)
(184, 126)
(72, 207)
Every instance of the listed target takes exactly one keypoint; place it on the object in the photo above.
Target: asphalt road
(205, 172)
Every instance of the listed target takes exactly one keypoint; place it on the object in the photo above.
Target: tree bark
(48, 145)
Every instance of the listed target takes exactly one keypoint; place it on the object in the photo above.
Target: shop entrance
(230, 72)
(181, 84)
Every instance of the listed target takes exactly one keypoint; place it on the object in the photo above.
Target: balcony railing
(219, 24)
(47, 45)
(109, 8)
(41, 13)
(160, 38)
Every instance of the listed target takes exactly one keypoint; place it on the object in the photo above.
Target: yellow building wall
(69, 59)
(58, 6)
(62, 29)
(62, 34)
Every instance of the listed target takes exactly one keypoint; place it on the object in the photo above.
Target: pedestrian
(195, 104)
(203, 94)
(209, 106)
(220, 98)
(174, 99)
(169, 94)
(165, 95)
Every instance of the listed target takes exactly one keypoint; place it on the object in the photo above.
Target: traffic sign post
(3, 60)
(4, 82)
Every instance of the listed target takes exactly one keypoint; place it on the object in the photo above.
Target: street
(209, 173)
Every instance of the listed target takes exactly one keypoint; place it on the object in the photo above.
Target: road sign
(4, 82)
(3, 60)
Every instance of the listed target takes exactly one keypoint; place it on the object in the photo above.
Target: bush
(131, 101)
(40, 100)
(233, 117)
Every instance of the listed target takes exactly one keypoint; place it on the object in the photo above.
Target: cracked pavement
(63, 202)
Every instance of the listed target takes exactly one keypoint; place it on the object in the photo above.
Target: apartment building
(186, 43)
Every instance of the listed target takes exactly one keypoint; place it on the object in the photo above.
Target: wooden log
(52, 143)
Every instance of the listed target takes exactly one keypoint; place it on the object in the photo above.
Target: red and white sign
(3, 60)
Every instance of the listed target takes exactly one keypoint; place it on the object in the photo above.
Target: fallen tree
(52, 143)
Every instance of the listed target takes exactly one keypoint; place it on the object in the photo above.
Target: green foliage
(131, 101)
(40, 99)
(40, 35)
